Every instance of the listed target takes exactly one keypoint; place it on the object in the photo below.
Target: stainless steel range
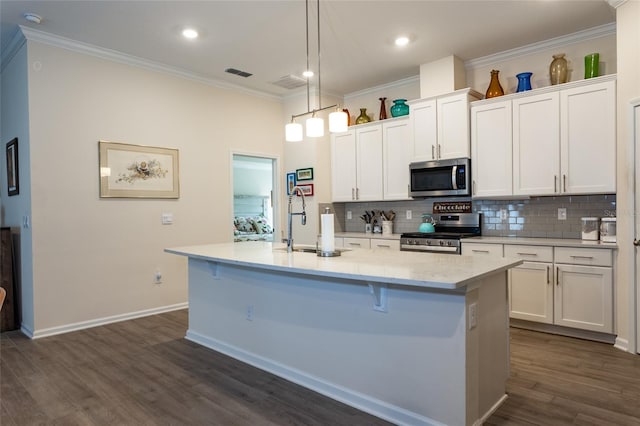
(450, 228)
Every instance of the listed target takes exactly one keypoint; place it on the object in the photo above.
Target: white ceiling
(267, 37)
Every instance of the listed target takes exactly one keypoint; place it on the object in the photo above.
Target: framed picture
(291, 182)
(304, 174)
(135, 171)
(307, 189)
(13, 177)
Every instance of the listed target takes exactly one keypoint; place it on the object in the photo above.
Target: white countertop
(367, 235)
(428, 270)
(555, 242)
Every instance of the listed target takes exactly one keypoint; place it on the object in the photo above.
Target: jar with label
(590, 228)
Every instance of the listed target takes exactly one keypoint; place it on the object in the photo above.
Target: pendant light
(338, 120)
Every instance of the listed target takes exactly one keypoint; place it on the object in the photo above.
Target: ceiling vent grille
(290, 82)
(238, 72)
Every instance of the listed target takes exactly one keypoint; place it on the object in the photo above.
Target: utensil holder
(387, 227)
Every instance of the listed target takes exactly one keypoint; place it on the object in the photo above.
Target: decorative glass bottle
(399, 108)
(383, 109)
(524, 81)
(494, 89)
(558, 70)
(363, 117)
(346, 111)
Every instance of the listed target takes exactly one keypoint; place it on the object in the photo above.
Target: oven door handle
(454, 172)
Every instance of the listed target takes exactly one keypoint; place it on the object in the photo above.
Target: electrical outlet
(504, 214)
(562, 213)
(158, 277)
(473, 315)
(349, 215)
(409, 215)
(249, 313)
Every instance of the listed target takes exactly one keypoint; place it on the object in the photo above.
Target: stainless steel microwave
(440, 178)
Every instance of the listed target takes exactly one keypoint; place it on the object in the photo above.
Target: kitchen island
(414, 338)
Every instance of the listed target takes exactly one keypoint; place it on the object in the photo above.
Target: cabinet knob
(636, 242)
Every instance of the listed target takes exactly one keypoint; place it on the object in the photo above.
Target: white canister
(590, 228)
(387, 227)
(608, 229)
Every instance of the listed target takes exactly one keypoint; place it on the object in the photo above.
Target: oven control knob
(441, 242)
(449, 243)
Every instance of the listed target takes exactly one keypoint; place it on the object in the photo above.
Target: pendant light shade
(338, 122)
(315, 127)
(293, 132)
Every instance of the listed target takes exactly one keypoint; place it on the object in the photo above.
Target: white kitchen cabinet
(561, 140)
(385, 244)
(370, 162)
(440, 126)
(491, 166)
(584, 289)
(343, 166)
(536, 144)
(338, 242)
(531, 284)
(355, 243)
(395, 155)
(481, 249)
(588, 138)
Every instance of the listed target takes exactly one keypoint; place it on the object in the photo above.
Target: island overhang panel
(402, 352)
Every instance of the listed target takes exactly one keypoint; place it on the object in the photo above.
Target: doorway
(254, 203)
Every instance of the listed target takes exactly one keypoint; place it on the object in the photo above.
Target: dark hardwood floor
(143, 372)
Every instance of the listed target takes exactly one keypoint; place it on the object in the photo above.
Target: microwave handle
(454, 172)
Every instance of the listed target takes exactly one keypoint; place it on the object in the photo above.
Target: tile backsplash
(530, 217)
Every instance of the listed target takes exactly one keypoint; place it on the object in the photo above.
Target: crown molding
(616, 3)
(394, 84)
(112, 55)
(578, 37)
(14, 45)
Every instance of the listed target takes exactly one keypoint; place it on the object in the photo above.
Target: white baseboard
(37, 334)
(622, 344)
(378, 408)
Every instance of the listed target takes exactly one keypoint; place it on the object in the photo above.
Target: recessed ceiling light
(402, 41)
(308, 73)
(189, 33)
(32, 17)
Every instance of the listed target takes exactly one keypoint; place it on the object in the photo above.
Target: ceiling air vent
(290, 82)
(238, 72)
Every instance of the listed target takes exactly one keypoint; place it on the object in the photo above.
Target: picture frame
(291, 182)
(137, 171)
(304, 174)
(307, 189)
(13, 175)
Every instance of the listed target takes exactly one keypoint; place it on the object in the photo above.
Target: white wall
(628, 84)
(15, 123)
(96, 258)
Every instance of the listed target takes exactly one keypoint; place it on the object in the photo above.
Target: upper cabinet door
(491, 149)
(396, 138)
(453, 127)
(343, 166)
(588, 138)
(369, 163)
(424, 133)
(536, 144)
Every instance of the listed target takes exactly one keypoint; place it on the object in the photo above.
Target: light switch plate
(562, 213)
(349, 215)
(409, 214)
(167, 218)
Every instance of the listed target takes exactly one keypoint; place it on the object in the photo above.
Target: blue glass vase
(524, 81)
(399, 108)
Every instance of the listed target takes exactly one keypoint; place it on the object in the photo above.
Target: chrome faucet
(290, 215)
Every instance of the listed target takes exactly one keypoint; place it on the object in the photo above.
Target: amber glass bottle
(494, 89)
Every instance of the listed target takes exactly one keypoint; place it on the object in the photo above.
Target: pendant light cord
(307, 24)
(319, 84)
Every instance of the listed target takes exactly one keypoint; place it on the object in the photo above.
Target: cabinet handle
(433, 155)
(527, 254)
(357, 193)
(355, 244)
(564, 183)
(473, 187)
(439, 146)
(557, 275)
(548, 280)
(479, 251)
(383, 246)
(353, 193)
(555, 183)
(582, 257)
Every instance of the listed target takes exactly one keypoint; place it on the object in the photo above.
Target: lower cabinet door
(584, 297)
(531, 292)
